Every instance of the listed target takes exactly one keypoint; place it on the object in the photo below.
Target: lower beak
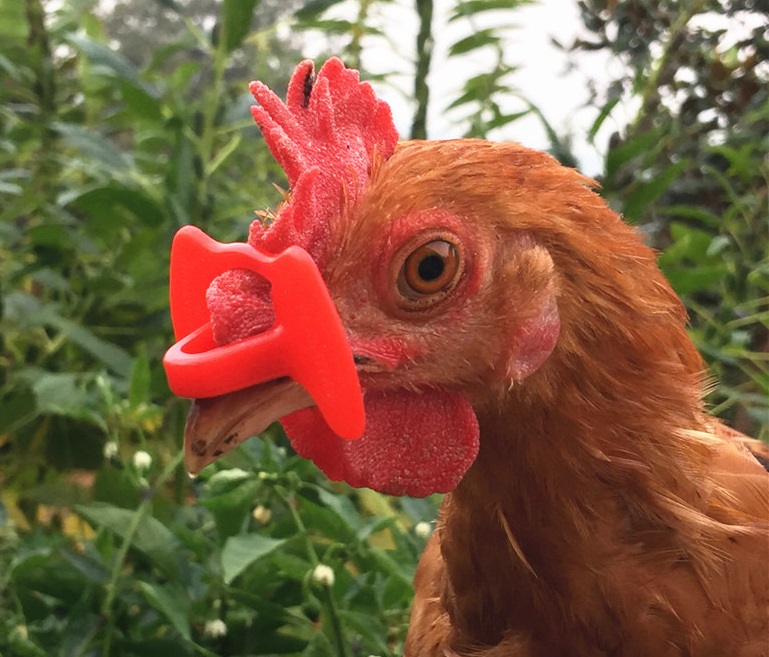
(216, 425)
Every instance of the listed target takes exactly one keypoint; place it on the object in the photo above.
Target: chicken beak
(216, 425)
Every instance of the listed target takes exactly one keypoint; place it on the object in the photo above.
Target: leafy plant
(106, 148)
(483, 94)
(106, 547)
(690, 169)
(273, 560)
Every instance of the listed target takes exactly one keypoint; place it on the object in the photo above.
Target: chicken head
(418, 266)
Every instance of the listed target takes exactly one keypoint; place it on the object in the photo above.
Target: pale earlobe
(532, 310)
(532, 342)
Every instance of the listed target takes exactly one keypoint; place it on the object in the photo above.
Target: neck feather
(585, 454)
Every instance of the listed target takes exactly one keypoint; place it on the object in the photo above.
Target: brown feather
(607, 513)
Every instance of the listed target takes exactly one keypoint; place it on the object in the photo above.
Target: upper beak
(216, 425)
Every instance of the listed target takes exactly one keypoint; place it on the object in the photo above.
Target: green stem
(649, 94)
(424, 56)
(342, 648)
(45, 90)
(117, 567)
(358, 31)
(207, 141)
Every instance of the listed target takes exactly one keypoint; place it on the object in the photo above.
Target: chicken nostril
(199, 447)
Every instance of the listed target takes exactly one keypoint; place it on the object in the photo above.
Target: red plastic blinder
(307, 342)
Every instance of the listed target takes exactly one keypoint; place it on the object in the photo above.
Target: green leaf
(17, 408)
(143, 106)
(602, 116)
(10, 188)
(740, 160)
(232, 504)
(241, 551)
(480, 86)
(22, 646)
(375, 525)
(476, 40)
(109, 60)
(172, 601)
(718, 244)
(686, 281)
(141, 379)
(237, 21)
(62, 394)
(92, 144)
(13, 22)
(224, 152)
(692, 212)
(156, 647)
(400, 571)
(690, 245)
(112, 356)
(328, 521)
(370, 628)
(315, 8)
(421, 508)
(151, 538)
(625, 152)
(319, 646)
(341, 505)
(646, 193)
(471, 8)
(503, 119)
(291, 566)
(93, 570)
(336, 26)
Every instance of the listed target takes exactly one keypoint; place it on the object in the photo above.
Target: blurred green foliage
(112, 136)
(692, 170)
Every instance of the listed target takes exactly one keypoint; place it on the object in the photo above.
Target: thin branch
(424, 55)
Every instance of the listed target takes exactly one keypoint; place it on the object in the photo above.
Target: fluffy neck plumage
(588, 454)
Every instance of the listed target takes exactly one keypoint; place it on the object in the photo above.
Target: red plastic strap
(307, 342)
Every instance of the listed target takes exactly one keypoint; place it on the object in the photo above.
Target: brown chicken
(517, 346)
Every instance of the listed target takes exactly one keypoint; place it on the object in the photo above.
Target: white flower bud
(261, 514)
(323, 575)
(423, 529)
(142, 460)
(215, 628)
(110, 449)
(228, 475)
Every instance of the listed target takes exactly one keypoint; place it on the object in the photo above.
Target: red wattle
(415, 443)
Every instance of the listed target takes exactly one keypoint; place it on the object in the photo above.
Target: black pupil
(431, 267)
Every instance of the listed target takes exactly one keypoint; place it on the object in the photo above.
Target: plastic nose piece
(307, 342)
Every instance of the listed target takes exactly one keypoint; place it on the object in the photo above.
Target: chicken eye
(430, 269)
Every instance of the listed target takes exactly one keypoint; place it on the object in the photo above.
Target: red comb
(326, 137)
(307, 341)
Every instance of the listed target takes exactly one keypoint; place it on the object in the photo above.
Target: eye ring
(429, 271)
